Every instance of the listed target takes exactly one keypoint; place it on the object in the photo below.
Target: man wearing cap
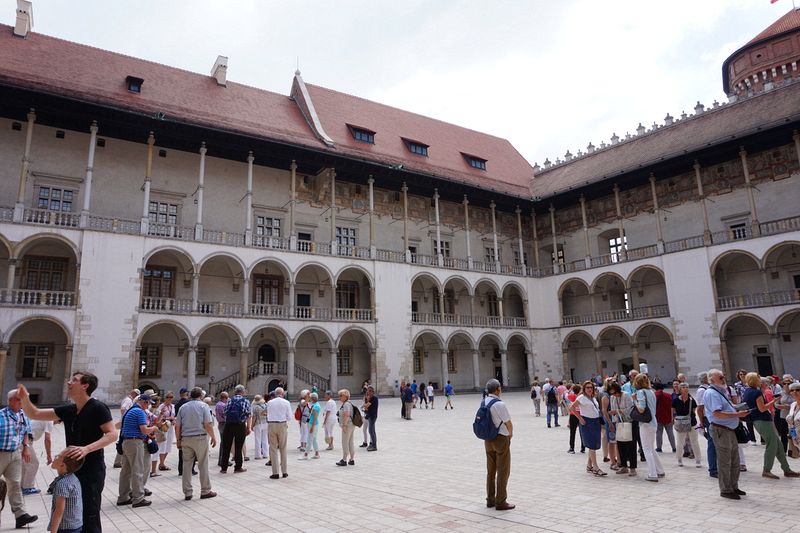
(135, 459)
(126, 404)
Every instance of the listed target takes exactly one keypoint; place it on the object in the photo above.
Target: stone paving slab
(429, 475)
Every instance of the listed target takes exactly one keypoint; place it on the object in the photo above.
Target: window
(617, 245)
(150, 360)
(345, 237)
(304, 236)
(344, 360)
(451, 361)
(158, 282)
(445, 248)
(448, 299)
(489, 256)
(267, 290)
(268, 226)
(163, 213)
(491, 304)
(559, 258)
(55, 199)
(201, 361)
(524, 261)
(416, 147)
(475, 162)
(45, 273)
(419, 368)
(134, 84)
(36, 361)
(362, 134)
(347, 295)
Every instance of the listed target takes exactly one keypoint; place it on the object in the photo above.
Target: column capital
(250, 157)
(518, 210)
(492, 205)
(436, 194)
(4, 348)
(370, 180)
(503, 351)
(696, 165)
(244, 350)
(293, 165)
(203, 149)
(652, 178)
(404, 187)
(616, 189)
(93, 128)
(192, 348)
(552, 209)
(31, 115)
(742, 151)
(466, 200)
(582, 199)
(151, 140)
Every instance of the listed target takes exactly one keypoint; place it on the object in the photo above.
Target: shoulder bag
(643, 417)
(742, 434)
(624, 429)
(683, 423)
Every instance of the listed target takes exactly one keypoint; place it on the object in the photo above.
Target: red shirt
(663, 407)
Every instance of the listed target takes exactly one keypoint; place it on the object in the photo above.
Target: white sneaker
(304, 458)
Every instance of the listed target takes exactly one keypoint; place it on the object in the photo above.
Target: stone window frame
(48, 373)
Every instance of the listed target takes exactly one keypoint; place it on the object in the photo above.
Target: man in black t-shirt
(88, 426)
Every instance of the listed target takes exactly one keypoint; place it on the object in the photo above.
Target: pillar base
(198, 232)
(407, 256)
(293, 243)
(588, 261)
(248, 237)
(83, 221)
(334, 248)
(145, 226)
(707, 238)
(439, 260)
(373, 252)
(470, 264)
(19, 212)
(660, 246)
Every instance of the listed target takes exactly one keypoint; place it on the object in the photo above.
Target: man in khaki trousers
(15, 441)
(279, 413)
(193, 427)
(498, 450)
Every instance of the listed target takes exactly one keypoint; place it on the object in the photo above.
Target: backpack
(483, 426)
(552, 397)
(356, 418)
(533, 394)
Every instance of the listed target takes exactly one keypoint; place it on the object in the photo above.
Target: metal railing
(759, 299)
(33, 298)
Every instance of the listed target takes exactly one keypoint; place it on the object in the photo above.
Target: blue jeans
(711, 450)
(76, 530)
(552, 409)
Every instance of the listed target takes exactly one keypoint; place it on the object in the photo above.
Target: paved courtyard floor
(429, 475)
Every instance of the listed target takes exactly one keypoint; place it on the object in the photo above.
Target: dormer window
(416, 147)
(134, 84)
(475, 162)
(362, 134)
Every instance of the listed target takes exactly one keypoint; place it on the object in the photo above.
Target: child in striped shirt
(67, 508)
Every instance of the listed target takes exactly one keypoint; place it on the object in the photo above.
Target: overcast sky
(547, 75)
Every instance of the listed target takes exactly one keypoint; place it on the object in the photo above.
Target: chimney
(220, 70)
(24, 18)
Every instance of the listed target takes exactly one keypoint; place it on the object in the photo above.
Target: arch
(316, 329)
(609, 329)
(576, 333)
(642, 268)
(731, 318)
(774, 248)
(568, 282)
(180, 252)
(516, 284)
(784, 315)
(311, 264)
(641, 328)
(229, 255)
(426, 275)
(462, 279)
(285, 270)
(730, 253)
(355, 267)
(493, 335)
(524, 339)
(167, 322)
(21, 322)
(7, 244)
(356, 329)
(492, 283)
(435, 334)
(472, 344)
(607, 275)
(22, 246)
(252, 334)
(220, 323)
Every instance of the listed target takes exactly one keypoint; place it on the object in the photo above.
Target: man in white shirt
(279, 414)
(126, 404)
(329, 422)
(29, 470)
(498, 450)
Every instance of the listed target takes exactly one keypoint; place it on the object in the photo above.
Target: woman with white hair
(684, 420)
(313, 425)
(346, 423)
(258, 426)
(304, 412)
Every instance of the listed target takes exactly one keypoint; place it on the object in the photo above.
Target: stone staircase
(261, 373)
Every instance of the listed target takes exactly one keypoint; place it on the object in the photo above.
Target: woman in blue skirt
(587, 409)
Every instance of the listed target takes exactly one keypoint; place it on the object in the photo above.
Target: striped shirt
(134, 418)
(69, 488)
(13, 428)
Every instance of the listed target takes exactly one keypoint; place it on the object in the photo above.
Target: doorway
(764, 365)
(266, 353)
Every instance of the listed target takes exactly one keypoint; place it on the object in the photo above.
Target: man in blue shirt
(723, 419)
(135, 459)
(448, 393)
(15, 435)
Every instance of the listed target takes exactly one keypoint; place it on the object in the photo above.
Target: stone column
(373, 368)
(723, 354)
(371, 183)
(195, 291)
(19, 208)
(598, 363)
(445, 371)
(565, 364)
(334, 248)
(500, 313)
(623, 252)
(246, 295)
(67, 368)
(659, 236)
(12, 269)
(439, 255)
(699, 179)
(3, 362)
(87, 185)
(635, 356)
(191, 367)
(248, 223)
(406, 252)
(531, 369)
(777, 354)
(472, 308)
(587, 253)
(441, 306)
(334, 381)
(556, 267)
(535, 239)
(504, 366)
(753, 210)
(494, 237)
(333, 300)
(290, 372)
(148, 174)
(137, 359)
(244, 361)
(292, 299)
(476, 369)
(466, 232)
(518, 211)
(292, 200)
(201, 176)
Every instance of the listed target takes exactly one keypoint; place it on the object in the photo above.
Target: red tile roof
(790, 21)
(43, 63)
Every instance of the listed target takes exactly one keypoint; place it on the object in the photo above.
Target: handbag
(683, 423)
(152, 445)
(624, 429)
(643, 417)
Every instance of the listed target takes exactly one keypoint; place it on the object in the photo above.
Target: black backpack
(533, 394)
(552, 397)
